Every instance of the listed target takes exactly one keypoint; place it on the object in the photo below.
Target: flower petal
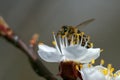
(100, 67)
(82, 54)
(92, 74)
(118, 75)
(117, 78)
(49, 54)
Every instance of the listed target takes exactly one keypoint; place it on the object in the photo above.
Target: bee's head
(64, 29)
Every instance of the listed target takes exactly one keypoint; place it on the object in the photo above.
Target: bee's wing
(85, 23)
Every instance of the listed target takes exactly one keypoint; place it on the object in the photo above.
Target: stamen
(40, 43)
(88, 37)
(82, 33)
(55, 42)
(91, 45)
(86, 44)
(89, 65)
(109, 66)
(111, 70)
(87, 40)
(93, 61)
(71, 42)
(81, 66)
(77, 67)
(105, 71)
(102, 62)
(66, 42)
(101, 50)
(63, 41)
(61, 46)
(78, 38)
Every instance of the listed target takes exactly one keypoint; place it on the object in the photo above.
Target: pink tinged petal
(82, 54)
(49, 54)
(92, 74)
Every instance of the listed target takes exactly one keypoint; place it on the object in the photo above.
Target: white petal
(99, 67)
(82, 54)
(117, 77)
(92, 74)
(117, 72)
(49, 54)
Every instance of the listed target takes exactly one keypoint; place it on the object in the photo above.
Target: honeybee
(74, 35)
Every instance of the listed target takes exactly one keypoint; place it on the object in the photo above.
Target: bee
(74, 35)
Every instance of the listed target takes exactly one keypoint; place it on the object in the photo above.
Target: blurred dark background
(27, 17)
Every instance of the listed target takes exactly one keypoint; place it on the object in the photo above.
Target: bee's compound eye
(65, 28)
(78, 31)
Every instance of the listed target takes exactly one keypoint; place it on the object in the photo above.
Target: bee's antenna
(85, 23)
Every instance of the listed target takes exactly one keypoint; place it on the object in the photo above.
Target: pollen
(101, 50)
(93, 61)
(89, 65)
(81, 66)
(91, 44)
(105, 71)
(111, 70)
(54, 43)
(102, 62)
(77, 67)
(109, 66)
(40, 43)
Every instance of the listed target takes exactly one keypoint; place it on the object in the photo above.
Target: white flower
(99, 72)
(92, 73)
(63, 51)
(117, 75)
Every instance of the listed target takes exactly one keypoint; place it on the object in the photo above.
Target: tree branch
(36, 64)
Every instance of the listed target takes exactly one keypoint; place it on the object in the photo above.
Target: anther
(77, 67)
(93, 61)
(111, 70)
(54, 43)
(109, 66)
(40, 43)
(101, 50)
(102, 62)
(91, 45)
(89, 65)
(105, 72)
(81, 66)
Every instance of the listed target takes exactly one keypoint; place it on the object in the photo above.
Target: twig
(36, 64)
